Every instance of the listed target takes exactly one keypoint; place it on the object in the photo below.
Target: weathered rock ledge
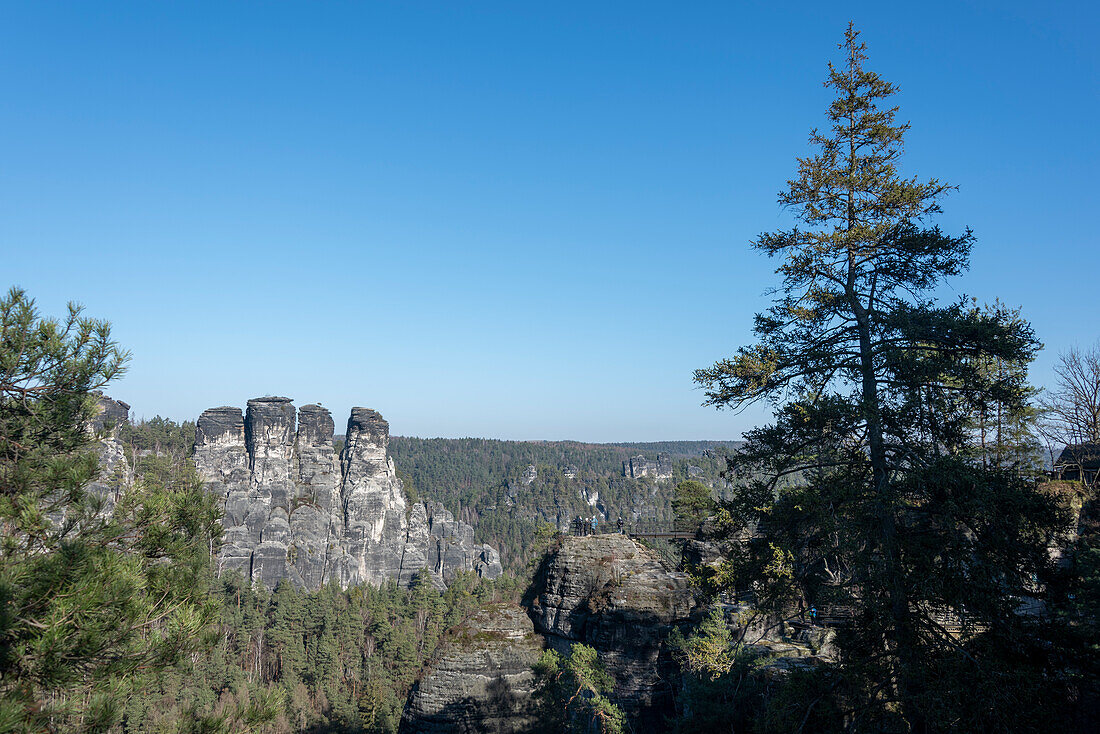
(605, 591)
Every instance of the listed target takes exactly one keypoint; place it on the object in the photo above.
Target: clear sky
(513, 220)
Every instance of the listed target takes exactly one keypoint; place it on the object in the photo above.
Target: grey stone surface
(115, 474)
(639, 466)
(609, 592)
(295, 510)
(481, 679)
(530, 474)
(111, 414)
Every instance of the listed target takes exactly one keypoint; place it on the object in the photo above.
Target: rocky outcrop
(481, 680)
(294, 509)
(111, 414)
(530, 474)
(617, 596)
(115, 474)
(608, 592)
(639, 466)
(451, 546)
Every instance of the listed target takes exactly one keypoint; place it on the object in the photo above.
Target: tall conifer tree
(873, 504)
(88, 599)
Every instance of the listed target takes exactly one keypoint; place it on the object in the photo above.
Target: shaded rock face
(481, 680)
(639, 466)
(617, 596)
(111, 414)
(295, 510)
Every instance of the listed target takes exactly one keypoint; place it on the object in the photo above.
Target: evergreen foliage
(288, 661)
(898, 519)
(573, 693)
(88, 599)
(719, 690)
(159, 437)
(692, 503)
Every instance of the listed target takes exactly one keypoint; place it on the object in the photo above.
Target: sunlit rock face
(295, 510)
(115, 473)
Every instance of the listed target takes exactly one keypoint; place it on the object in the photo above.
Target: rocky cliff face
(482, 680)
(639, 466)
(617, 596)
(605, 591)
(296, 510)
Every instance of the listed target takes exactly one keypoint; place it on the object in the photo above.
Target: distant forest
(482, 482)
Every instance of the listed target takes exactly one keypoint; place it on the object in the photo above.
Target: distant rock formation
(639, 466)
(293, 509)
(481, 680)
(530, 474)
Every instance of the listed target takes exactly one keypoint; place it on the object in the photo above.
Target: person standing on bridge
(813, 616)
(595, 524)
(620, 524)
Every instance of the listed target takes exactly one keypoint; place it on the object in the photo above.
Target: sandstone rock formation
(115, 475)
(530, 474)
(112, 414)
(481, 680)
(605, 591)
(293, 509)
(617, 596)
(639, 466)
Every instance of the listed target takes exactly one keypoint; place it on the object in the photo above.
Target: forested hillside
(489, 483)
(673, 448)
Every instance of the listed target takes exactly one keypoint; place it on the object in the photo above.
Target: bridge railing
(642, 529)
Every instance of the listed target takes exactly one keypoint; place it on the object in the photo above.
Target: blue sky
(511, 220)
